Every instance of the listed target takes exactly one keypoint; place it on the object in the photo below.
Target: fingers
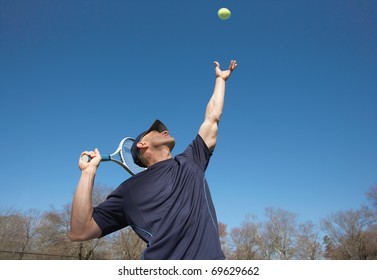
(232, 65)
(90, 154)
(225, 74)
(84, 155)
(89, 158)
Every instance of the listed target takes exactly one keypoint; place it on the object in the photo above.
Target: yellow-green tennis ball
(224, 13)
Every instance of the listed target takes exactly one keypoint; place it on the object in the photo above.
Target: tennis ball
(224, 13)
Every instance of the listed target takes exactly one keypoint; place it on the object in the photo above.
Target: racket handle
(87, 158)
(105, 158)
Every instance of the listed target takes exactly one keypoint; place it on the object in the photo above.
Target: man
(169, 204)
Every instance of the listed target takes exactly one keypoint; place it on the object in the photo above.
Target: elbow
(75, 237)
(214, 117)
(84, 234)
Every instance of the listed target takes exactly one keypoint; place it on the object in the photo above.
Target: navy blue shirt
(169, 206)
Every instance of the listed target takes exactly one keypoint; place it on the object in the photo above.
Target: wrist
(90, 170)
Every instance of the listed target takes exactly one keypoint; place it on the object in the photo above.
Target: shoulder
(199, 144)
(202, 143)
(151, 174)
(197, 151)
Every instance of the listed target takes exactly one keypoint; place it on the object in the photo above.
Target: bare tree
(308, 246)
(278, 237)
(52, 236)
(30, 227)
(11, 227)
(223, 234)
(280, 231)
(370, 210)
(371, 233)
(352, 234)
(248, 241)
(126, 245)
(17, 232)
(345, 235)
(372, 197)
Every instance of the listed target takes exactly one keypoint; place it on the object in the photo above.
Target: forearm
(215, 105)
(82, 207)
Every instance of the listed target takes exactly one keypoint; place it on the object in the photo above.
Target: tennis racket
(121, 156)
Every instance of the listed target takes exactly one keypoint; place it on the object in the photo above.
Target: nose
(165, 132)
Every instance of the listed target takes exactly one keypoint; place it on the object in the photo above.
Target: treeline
(344, 235)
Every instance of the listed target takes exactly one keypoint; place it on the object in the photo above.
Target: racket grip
(105, 158)
(87, 158)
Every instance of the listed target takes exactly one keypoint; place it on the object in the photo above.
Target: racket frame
(118, 152)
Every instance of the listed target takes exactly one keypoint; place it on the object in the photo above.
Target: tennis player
(169, 204)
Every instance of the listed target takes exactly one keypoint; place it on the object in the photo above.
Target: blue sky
(299, 124)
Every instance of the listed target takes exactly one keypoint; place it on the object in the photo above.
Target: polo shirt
(169, 206)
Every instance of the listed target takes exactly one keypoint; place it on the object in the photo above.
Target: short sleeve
(199, 152)
(109, 215)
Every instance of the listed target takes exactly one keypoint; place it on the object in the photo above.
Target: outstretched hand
(226, 73)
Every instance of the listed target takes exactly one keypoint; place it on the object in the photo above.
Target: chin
(171, 144)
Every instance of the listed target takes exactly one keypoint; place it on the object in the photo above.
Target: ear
(142, 145)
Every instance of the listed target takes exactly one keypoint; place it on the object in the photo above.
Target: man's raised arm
(209, 128)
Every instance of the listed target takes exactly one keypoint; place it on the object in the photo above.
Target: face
(156, 139)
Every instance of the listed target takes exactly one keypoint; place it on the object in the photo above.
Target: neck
(157, 156)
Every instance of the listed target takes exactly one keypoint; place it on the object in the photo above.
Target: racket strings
(127, 156)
